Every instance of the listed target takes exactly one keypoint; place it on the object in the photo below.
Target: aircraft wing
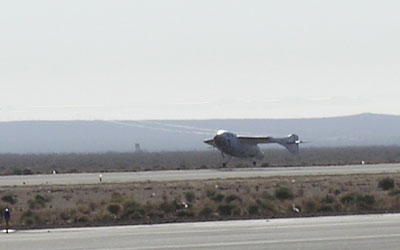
(255, 140)
(210, 142)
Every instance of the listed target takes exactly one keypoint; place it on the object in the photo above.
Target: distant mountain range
(173, 135)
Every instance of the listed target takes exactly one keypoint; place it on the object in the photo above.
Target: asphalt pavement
(203, 174)
(336, 232)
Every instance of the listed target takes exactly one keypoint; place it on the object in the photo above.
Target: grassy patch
(386, 183)
(283, 193)
(190, 196)
(9, 198)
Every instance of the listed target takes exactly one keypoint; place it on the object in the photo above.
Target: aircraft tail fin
(291, 143)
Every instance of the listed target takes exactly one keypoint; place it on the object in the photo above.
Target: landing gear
(227, 160)
(254, 163)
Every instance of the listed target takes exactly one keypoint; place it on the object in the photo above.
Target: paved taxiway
(340, 232)
(174, 175)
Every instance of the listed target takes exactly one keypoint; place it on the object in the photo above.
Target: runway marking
(9, 231)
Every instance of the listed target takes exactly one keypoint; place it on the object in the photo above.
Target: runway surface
(174, 175)
(340, 232)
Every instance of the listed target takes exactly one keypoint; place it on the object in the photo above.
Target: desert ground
(22, 164)
(221, 199)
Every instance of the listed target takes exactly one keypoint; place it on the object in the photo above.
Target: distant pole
(137, 147)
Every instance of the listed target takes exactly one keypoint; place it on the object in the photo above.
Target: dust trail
(191, 128)
(158, 127)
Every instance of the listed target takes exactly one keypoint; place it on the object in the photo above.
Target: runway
(340, 232)
(177, 175)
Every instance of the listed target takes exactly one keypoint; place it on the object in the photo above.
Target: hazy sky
(186, 59)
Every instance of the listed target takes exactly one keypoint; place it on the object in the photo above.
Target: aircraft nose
(217, 139)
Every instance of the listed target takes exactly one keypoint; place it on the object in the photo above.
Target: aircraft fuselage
(228, 143)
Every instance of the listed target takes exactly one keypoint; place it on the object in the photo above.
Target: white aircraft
(246, 146)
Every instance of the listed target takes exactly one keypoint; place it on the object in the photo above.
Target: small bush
(132, 210)
(310, 206)
(32, 204)
(394, 192)
(386, 183)
(64, 216)
(117, 198)
(217, 197)
(268, 196)
(283, 193)
(206, 211)
(41, 199)
(28, 221)
(9, 199)
(183, 213)
(237, 211)
(362, 201)
(328, 199)
(114, 209)
(81, 219)
(348, 198)
(149, 207)
(27, 171)
(266, 205)
(232, 197)
(326, 208)
(39, 202)
(30, 218)
(225, 209)
(365, 201)
(210, 193)
(168, 207)
(93, 206)
(67, 215)
(17, 171)
(177, 205)
(190, 196)
(253, 209)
